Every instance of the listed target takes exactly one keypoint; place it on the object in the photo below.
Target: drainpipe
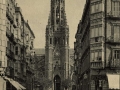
(105, 9)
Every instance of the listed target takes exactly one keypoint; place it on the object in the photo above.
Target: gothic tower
(57, 45)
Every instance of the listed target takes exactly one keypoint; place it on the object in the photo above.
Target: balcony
(115, 63)
(96, 65)
(8, 52)
(15, 24)
(9, 15)
(15, 40)
(19, 42)
(8, 32)
(113, 15)
(112, 40)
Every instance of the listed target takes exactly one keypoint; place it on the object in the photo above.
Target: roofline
(30, 29)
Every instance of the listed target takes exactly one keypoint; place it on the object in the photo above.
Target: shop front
(13, 85)
(113, 81)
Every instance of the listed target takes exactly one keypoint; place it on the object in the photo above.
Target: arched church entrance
(57, 83)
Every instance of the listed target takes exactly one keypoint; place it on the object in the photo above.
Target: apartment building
(39, 68)
(16, 48)
(97, 46)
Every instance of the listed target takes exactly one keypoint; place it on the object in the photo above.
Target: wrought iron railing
(113, 39)
(96, 64)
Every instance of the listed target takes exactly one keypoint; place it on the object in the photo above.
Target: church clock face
(57, 53)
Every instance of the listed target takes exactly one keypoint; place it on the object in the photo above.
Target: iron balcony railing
(115, 63)
(96, 64)
(112, 39)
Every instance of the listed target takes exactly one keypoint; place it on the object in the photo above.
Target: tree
(66, 83)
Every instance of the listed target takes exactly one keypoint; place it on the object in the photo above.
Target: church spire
(58, 17)
(57, 44)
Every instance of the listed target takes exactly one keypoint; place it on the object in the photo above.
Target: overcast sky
(37, 12)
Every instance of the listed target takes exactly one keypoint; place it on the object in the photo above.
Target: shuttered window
(97, 55)
(116, 8)
(96, 7)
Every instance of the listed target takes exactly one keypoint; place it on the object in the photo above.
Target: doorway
(57, 83)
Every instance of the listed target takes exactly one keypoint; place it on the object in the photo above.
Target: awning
(113, 81)
(23, 88)
(15, 84)
(2, 84)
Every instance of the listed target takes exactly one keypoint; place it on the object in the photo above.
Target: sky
(37, 12)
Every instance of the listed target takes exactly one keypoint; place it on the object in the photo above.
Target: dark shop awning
(17, 85)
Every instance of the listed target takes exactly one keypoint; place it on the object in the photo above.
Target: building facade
(16, 43)
(97, 46)
(39, 68)
(57, 45)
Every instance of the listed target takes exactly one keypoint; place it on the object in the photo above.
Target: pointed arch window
(57, 10)
(63, 41)
(58, 15)
(50, 40)
(55, 40)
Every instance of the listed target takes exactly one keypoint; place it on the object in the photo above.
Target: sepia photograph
(59, 44)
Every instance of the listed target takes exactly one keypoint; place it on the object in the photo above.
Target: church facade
(57, 45)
